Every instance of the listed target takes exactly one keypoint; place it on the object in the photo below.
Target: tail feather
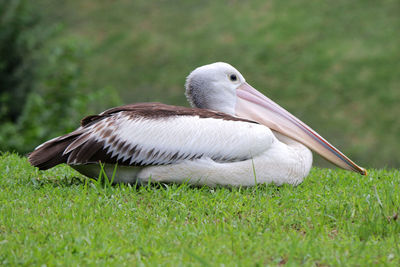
(51, 153)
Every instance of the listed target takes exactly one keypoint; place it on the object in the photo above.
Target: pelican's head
(214, 87)
(221, 87)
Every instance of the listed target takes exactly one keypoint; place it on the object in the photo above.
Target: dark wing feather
(159, 110)
(50, 153)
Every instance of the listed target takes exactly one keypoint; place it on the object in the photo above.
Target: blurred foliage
(43, 93)
(333, 64)
(18, 41)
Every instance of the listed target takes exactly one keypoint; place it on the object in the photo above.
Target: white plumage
(190, 136)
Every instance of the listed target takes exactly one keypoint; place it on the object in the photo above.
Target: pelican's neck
(301, 153)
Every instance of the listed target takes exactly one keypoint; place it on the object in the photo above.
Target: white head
(214, 87)
(221, 87)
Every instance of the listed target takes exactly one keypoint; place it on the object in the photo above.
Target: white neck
(300, 151)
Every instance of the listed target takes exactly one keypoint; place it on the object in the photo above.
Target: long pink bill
(253, 105)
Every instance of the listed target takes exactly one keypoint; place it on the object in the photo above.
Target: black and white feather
(154, 134)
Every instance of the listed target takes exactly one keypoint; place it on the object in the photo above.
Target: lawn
(60, 218)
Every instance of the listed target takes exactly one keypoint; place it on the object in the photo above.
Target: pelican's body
(208, 150)
(225, 139)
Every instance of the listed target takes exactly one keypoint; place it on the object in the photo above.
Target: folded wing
(155, 134)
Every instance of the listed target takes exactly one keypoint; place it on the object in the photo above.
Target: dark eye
(233, 77)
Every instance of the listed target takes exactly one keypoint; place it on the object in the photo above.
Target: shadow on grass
(77, 180)
(56, 181)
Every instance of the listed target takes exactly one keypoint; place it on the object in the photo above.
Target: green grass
(335, 64)
(335, 218)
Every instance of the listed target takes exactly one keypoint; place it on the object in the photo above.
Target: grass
(335, 218)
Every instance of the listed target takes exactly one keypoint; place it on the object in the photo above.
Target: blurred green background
(334, 64)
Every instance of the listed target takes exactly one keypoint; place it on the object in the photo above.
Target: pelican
(232, 135)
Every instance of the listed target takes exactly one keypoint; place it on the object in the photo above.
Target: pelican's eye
(233, 77)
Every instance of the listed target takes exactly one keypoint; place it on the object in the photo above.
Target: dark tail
(50, 154)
